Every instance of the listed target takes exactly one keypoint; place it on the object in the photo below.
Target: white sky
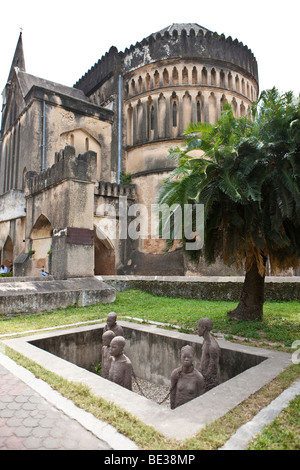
(63, 39)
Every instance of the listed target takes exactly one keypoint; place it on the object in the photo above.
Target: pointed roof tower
(18, 60)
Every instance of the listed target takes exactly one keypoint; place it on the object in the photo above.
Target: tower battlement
(184, 44)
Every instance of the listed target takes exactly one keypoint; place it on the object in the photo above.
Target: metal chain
(140, 389)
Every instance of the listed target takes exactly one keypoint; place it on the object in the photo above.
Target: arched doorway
(104, 254)
(8, 253)
(41, 244)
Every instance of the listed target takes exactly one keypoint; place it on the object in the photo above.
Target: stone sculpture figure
(120, 370)
(210, 357)
(187, 382)
(106, 357)
(111, 324)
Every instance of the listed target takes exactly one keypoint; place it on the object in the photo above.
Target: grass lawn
(279, 329)
(283, 433)
(281, 322)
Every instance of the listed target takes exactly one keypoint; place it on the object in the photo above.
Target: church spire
(18, 60)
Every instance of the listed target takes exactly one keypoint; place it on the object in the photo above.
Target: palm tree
(246, 172)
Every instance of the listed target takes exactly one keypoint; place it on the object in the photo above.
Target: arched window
(212, 108)
(222, 79)
(200, 107)
(140, 84)
(161, 116)
(156, 79)
(166, 80)
(87, 144)
(242, 109)
(132, 88)
(194, 76)
(234, 107)
(140, 121)
(185, 76)
(223, 101)
(198, 111)
(148, 82)
(152, 118)
(204, 76)
(243, 86)
(186, 109)
(213, 77)
(130, 125)
(175, 78)
(174, 114)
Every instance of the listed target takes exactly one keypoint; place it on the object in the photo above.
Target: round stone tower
(181, 74)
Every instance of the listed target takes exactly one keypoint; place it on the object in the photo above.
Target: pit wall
(145, 350)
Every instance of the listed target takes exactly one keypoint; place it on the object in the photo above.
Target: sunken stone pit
(154, 353)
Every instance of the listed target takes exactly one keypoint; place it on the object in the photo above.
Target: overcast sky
(63, 39)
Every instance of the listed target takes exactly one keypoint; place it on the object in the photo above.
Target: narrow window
(132, 87)
(174, 114)
(213, 77)
(148, 82)
(185, 76)
(175, 78)
(222, 79)
(198, 111)
(152, 118)
(140, 84)
(243, 86)
(166, 80)
(194, 76)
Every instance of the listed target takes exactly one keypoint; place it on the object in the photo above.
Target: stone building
(67, 152)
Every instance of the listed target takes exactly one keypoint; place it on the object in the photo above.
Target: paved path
(33, 417)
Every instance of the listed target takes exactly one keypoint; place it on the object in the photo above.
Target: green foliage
(283, 432)
(246, 172)
(98, 368)
(9, 274)
(125, 178)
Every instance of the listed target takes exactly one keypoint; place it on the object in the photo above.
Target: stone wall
(206, 288)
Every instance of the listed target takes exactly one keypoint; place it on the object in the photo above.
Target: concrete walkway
(33, 417)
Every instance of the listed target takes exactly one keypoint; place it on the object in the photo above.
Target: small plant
(98, 368)
(31, 253)
(125, 178)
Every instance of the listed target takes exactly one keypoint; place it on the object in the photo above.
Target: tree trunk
(251, 302)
